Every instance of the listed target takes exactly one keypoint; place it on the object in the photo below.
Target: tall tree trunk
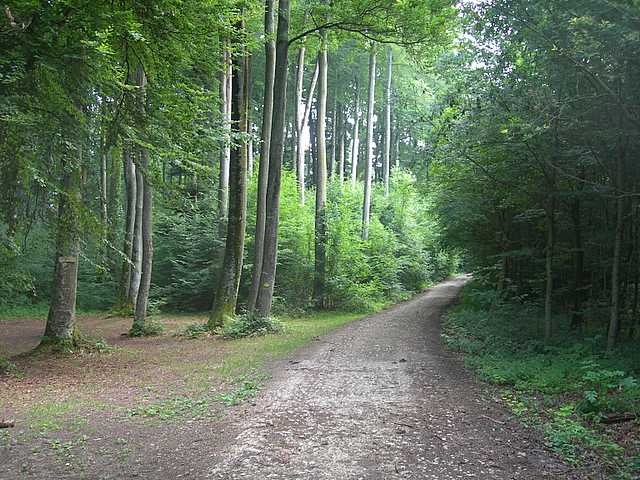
(263, 172)
(225, 301)
(298, 114)
(248, 94)
(112, 210)
(268, 275)
(331, 166)
(366, 207)
(60, 325)
(355, 139)
(548, 298)
(223, 180)
(142, 299)
(301, 150)
(136, 256)
(387, 124)
(341, 147)
(321, 180)
(577, 317)
(614, 318)
(130, 222)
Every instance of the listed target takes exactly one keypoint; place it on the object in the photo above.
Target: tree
(263, 173)
(387, 123)
(368, 172)
(321, 180)
(268, 274)
(226, 298)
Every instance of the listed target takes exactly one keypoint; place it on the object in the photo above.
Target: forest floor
(378, 398)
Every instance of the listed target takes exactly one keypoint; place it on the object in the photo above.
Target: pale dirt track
(380, 399)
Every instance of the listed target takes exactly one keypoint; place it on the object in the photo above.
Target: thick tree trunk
(263, 173)
(268, 275)
(301, 151)
(321, 181)
(386, 160)
(142, 299)
(366, 207)
(225, 301)
(60, 325)
(355, 139)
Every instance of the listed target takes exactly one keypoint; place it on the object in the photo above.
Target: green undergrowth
(569, 388)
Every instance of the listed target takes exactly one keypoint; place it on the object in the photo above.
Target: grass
(234, 371)
(566, 388)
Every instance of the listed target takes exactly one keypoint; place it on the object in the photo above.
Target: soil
(379, 398)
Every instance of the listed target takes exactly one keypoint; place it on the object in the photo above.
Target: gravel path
(380, 399)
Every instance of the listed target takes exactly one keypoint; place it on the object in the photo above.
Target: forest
(229, 171)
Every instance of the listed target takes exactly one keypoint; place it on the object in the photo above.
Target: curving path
(380, 399)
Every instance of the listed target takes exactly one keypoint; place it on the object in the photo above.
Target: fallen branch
(7, 424)
(492, 419)
(618, 418)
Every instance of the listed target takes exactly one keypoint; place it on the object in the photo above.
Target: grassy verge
(569, 389)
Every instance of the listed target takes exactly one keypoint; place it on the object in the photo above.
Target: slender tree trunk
(321, 180)
(614, 319)
(577, 317)
(301, 150)
(103, 187)
(223, 181)
(112, 211)
(268, 275)
(355, 140)
(366, 208)
(548, 298)
(130, 222)
(298, 113)
(334, 147)
(225, 301)
(341, 147)
(136, 256)
(263, 172)
(387, 124)
(248, 94)
(142, 299)
(60, 325)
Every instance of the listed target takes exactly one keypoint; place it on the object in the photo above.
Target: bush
(251, 326)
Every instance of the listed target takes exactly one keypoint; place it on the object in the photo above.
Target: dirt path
(377, 399)
(380, 399)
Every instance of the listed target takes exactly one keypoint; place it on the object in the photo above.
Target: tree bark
(614, 317)
(331, 166)
(577, 317)
(142, 299)
(130, 222)
(355, 140)
(136, 256)
(341, 147)
(321, 180)
(225, 301)
(263, 172)
(548, 298)
(267, 277)
(223, 180)
(300, 129)
(60, 327)
(366, 208)
(386, 160)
